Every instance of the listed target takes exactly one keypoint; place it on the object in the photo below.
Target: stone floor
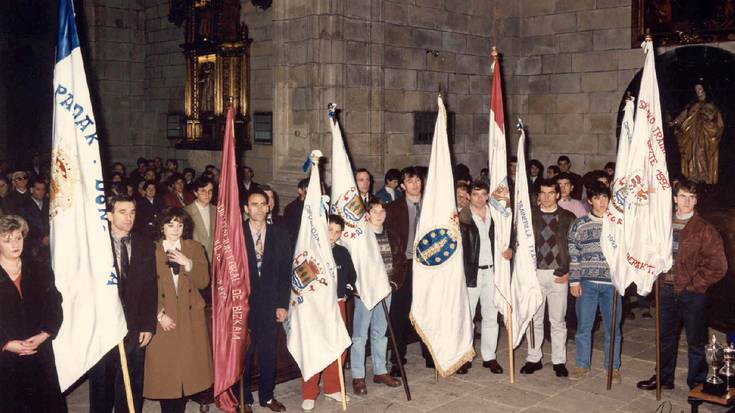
(482, 391)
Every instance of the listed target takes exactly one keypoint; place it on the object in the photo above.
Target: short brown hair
(10, 223)
(688, 186)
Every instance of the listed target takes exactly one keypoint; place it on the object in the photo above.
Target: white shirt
(167, 246)
(39, 204)
(486, 251)
(204, 212)
(391, 192)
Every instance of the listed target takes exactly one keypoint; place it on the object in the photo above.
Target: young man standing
(590, 283)
(565, 166)
(550, 227)
(566, 186)
(203, 214)
(477, 228)
(699, 262)
(374, 320)
(390, 192)
(364, 181)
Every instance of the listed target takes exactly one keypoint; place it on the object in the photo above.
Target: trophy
(728, 369)
(714, 385)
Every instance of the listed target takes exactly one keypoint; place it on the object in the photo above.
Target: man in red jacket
(699, 262)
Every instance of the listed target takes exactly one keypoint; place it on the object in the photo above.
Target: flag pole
(341, 383)
(509, 330)
(658, 339)
(242, 392)
(126, 377)
(395, 351)
(613, 322)
(531, 333)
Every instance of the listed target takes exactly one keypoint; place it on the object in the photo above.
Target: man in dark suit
(19, 194)
(246, 182)
(292, 212)
(35, 209)
(273, 216)
(269, 262)
(137, 285)
(364, 181)
(402, 217)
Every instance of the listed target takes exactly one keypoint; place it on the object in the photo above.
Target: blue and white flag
(316, 334)
(372, 280)
(525, 292)
(648, 204)
(440, 310)
(80, 241)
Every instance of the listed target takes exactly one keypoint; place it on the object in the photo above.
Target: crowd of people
(161, 229)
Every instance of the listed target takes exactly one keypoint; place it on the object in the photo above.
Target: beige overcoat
(180, 359)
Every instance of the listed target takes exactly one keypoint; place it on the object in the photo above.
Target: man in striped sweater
(590, 283)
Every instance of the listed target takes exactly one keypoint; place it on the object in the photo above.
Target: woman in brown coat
(179, 359)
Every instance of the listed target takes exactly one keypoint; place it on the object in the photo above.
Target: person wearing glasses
(20, 194)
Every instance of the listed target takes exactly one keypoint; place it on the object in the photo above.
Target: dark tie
(418, 214)
(124, 264)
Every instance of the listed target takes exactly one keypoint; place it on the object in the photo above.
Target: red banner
(230, 279)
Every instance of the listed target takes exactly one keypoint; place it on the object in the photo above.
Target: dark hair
(256, 191)
(210, 166)
(175, 177)
(410, 171)
(462, 185)
(687, 185)
(336, 219)
(514, 159)
(35, 181)
(141, 161)
(190, 170)
(610, 165)
(201, 182)
(598, 188)
(566, 176)
(555, 168)
(548, 183)
(247, 167)
(303, 184)
(148, 183)
(112, 200)
(118, 163)
(563, 158)
(358, 170)
(373, 202)
(538, 164)
(462, 173)
(479, 185)
(392, 174)
(174, 214)
(173, 161)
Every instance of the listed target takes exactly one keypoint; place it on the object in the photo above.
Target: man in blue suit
(269, 262)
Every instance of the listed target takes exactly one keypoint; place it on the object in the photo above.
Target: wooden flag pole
(341, 383)
(658, 339)
(126, 377)
(242, 392)
(509, 330)
(531, 333)
(613, 323)
(399, 358)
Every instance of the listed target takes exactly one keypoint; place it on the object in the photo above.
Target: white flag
(440, 310)
(80, 242)
(612, 239)
(525, 292)
(647, 222)
(500, 210)
(316, 334)
(372, 280)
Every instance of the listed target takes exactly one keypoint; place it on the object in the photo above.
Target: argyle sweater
(585, 253)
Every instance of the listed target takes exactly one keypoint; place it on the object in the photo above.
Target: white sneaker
(307, 405)
(336, 396)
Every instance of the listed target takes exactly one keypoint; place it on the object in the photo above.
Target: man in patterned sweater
(550, 227)
(590, 283)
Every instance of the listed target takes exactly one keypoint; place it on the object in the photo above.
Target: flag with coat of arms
(315, 333)
(440, 310)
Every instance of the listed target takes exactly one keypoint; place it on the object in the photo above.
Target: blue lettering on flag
(65, 99)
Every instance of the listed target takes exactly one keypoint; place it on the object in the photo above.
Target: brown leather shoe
(275, 406)
(386, 379)
(493, 366)
(359, 387)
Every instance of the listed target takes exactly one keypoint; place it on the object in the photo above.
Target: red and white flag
(647, 222)
(230, 280)
(500, 209)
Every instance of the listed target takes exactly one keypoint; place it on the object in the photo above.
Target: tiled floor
(482, 391)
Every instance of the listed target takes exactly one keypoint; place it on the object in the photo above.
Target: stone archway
(677, 71)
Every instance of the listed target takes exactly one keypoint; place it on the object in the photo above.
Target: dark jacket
(146, 214)
(566, 219)
(292, 218)
(14, 201)
(140, 291)
(346, 274)
(701, 260)
(272, 289)
(396, 221)
(386, 197)
(29, 383)
(396, 278)
(471, 245)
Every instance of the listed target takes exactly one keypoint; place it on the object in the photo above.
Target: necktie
(259, 250)
(418, 213)
(124, 265)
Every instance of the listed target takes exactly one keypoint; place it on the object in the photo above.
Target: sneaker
(307, 405)
(579, 373)
(617, 378)
(337, 397)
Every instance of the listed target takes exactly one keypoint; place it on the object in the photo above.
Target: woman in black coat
(30, 317)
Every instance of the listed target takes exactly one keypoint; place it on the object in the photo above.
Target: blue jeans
(683, 309)
(596, 295)
(374, 320)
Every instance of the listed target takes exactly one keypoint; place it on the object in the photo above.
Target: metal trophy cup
(714, 353)
(727, 372)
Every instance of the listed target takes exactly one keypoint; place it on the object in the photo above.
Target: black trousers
(262, 343)
(106, 386)
(173, 405)
(400, 307)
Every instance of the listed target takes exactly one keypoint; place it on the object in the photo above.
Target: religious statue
(698, 130)
(206, 88)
